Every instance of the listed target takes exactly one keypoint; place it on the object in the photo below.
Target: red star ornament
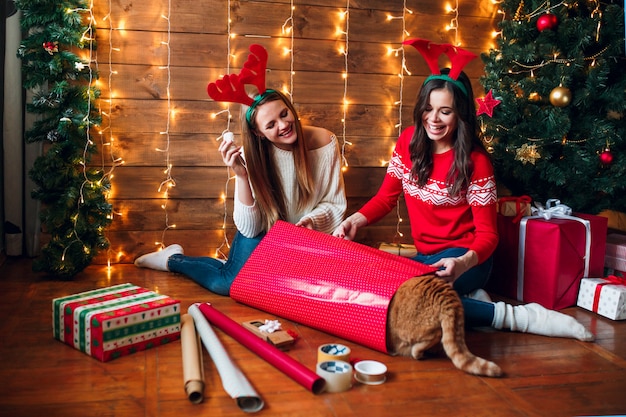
(486, 104)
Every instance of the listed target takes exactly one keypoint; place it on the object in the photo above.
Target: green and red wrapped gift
(110, 322)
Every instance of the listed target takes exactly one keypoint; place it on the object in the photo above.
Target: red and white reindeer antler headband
(231, 87)
(431, 52)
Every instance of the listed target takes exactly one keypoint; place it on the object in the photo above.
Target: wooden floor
(40, 376)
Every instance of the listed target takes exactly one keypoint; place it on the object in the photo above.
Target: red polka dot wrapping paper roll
(334, 285)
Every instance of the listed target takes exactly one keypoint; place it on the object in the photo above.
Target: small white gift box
(605, 296)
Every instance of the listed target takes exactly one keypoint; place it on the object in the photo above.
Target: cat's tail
(453, 341)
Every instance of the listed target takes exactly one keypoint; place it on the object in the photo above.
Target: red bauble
(606, 157)
(547, 21)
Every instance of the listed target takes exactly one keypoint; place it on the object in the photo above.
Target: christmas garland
(75, 210)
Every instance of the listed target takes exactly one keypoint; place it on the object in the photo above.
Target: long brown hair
(263, 174)
(464, 140)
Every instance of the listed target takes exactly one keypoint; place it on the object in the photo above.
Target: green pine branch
(75, 211)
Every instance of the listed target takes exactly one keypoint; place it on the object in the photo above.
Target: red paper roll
(271, 354)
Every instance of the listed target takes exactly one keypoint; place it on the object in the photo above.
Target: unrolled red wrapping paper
(234, 381)
(274, 356)
(340, 287)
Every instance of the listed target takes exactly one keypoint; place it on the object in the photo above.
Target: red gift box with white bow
(555, 249)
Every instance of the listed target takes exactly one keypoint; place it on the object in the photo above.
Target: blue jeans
(477, 313)
(211, 273)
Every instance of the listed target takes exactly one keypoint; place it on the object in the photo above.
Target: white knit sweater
(328, 205)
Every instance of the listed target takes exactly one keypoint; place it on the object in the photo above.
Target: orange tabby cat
(425, 311)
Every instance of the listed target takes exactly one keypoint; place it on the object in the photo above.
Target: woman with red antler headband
(449, 188)
(283, 170)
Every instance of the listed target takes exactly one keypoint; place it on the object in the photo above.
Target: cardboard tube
(234, 381)
(193, 369)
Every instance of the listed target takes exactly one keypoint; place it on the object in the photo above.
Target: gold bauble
(534, 97)
(560, 96)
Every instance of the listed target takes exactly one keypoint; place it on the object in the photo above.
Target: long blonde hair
(262, 172)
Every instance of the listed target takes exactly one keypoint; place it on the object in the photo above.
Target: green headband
(255, 103)
(446, 77)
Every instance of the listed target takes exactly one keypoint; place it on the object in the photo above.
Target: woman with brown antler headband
(449, 188)
(284, 171)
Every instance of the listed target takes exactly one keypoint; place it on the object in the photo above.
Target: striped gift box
(110, 322)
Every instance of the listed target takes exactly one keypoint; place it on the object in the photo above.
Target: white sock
(158, 260)
(480, 295)
(534, 318)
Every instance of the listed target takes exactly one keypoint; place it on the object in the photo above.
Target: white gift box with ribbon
(605, 296)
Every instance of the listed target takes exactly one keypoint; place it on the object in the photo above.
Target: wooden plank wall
(147, 48)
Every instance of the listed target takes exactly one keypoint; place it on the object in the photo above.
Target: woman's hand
(306, 222)
(232, 157)
(348, 228)
(452, 268)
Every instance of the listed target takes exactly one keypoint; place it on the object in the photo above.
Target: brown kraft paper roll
(193, 369)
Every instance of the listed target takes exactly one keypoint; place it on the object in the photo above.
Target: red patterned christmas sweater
(438, 220)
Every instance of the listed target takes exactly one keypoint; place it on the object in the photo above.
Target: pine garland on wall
(75, 210)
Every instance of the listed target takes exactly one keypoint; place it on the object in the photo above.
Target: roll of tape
(370, 372)
(337, 374)
(333, 352)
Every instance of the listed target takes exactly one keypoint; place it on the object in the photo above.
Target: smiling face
(276, 122)
(440, 120)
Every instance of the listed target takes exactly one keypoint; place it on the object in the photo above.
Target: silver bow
(553, 208)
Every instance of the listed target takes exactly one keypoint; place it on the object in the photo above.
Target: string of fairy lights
(399, 51)
(453, 26)
(169, 181)
(106, 126)
(219, 252)
(286, 31)
(344, 50)
(90, 62)
(86, 36)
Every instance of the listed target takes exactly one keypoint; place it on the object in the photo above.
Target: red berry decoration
(606, 157)
(547, 21)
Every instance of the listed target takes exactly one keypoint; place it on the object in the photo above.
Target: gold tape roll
(333, 352)
(337, 374)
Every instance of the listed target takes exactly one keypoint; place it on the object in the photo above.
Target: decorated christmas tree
(554, 114)
(75, 211)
